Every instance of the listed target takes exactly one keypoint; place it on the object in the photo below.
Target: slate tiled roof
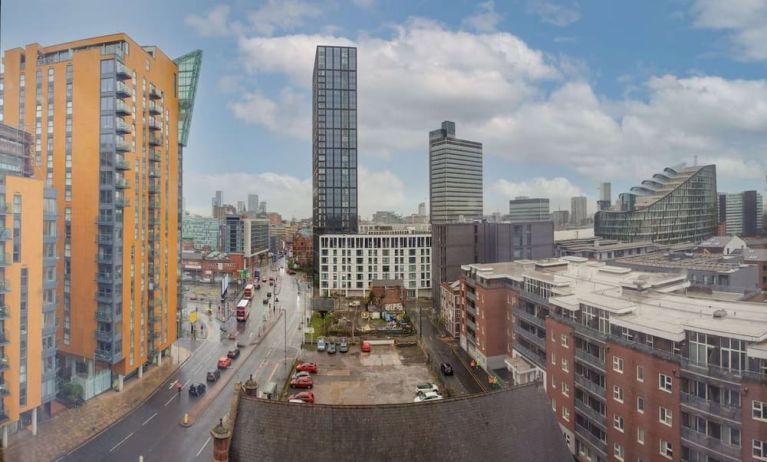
(508, 425)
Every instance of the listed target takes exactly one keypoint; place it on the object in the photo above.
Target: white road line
(186, 383)
(171, 399)
(172, 384)
(203, 447)
(150, 418)
(121, 442)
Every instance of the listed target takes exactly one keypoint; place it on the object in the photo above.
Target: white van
(269, 392)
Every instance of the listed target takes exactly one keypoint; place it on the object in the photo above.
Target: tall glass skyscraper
(334, 142)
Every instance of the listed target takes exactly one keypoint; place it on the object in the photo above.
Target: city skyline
(597, 103)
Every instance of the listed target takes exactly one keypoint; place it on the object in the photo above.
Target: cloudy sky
(564, 94)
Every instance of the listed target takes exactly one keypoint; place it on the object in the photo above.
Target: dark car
(446, 368)
(266, 301)
(196, 389)
(234, 354)
(213, 376)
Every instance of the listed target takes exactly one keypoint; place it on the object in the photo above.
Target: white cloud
(282, 14)
(289, 113)
(746, 20)
(212, 24)
(558, 190)
(552, 13)
(485, 20)
(380, 190)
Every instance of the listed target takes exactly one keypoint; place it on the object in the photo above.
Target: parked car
(354, 304)
(308, 367)
(365, 347)
(266, 301)
(321, 345)
(302, 382)
(213, 375)
(224, 362)
(301, 374)
(234, 354)
(343, 345)
(196, 389)
(426, 387)
(304, 397)
(446, 368)
(331, 348)
(428, 396)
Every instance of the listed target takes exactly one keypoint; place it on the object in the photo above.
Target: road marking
(172, 384)
(150, 418)
(171, 399)
(186, 383)
(203, 447)
(121, 442)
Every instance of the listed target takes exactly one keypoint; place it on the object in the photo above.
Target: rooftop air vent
(719, 314)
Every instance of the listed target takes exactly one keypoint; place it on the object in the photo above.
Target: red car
(302, 382)
(224, 362)
(365, 347)
(308, 367)
(305, 396)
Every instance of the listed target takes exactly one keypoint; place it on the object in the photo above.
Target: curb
(116, 421)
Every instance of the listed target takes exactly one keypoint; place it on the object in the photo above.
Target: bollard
(186, 419)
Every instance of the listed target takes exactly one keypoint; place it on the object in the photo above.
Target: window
(640, 435)
(553, 382)
(640, 374)
(553, 405)
(617, 393)
(759, 449)
(666, 449)
(553, 358)
(664, 382)
(566, 413)
(664, 415)
(759, 410)
(618, 451)
(564, 341)
(618, 364)
(618, 423)
(640, 404)
(565, 389)
(565, 365)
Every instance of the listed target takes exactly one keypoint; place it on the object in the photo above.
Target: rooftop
(511, 425)
(682, 261)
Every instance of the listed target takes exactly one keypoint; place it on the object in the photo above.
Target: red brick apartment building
(636, 369)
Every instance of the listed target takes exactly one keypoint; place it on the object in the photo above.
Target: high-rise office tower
(28, 284)
(334, 142)
(455, 177)
(253, 203)
(578, 210)
(422, 209)
(741, 213)
(241, 207)
(117, 117)
(529, 209)
(605, 196)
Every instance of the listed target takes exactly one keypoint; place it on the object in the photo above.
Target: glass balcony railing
(5, 286)
(123, 127)
(155, 140)
(154, 125)
(154, 108)
(122, 164)
(121, 145)
(154, 156)
(122, 90)
(121, 108)
(154, 93)
(121, 71)
(121, 183)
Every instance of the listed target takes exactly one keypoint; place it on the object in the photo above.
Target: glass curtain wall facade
(334, 142)
(678, 205)
(455, 177)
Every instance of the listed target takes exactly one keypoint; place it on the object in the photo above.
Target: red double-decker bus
(242, 312)
(248, 294)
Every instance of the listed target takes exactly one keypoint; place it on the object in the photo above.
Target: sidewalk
(70, 428)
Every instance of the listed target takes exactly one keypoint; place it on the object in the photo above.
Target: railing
(712, 444)
(583, 432)
(589, 385)
(535, 298)
(4, 340)
(591, 413)
(154, 108)
(154, 173)
(4, 363)
(5, 286)
(123, 127)
(154, 156)
(5, 234)
(709, 370)
(121, 71)
(471, 325)
(122, 108)
(531, 318)
(667, 355)
(121, 164)
(155, 141)
(531, 337)
(104, 336)
(4, 390)
(471, 310)
(5, 312)
(471, 296)
(536, 358)
(104, 316)
(105, 278)
(580, 329)
(154, 94)
(122, 145)
(4, 207)
(154, 125)
(121, 183)
(711, 407)
(589, 359)
(122, 202)
(122, 90)
(4, 260)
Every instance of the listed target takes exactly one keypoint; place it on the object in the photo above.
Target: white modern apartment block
(350, 262)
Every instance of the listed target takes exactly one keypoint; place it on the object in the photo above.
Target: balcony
(155, 140)
(4, 364)
(154, 204)
(122, 165)
(540, 342)
(105, 278)
(530, 318)
(107, 220)
(530, 355)
(709, 370)
(4, 390)
(710, 407)
(105, 259)
(5, 312)
(535, 298)
(5, 261)
(121, 145)
(5, 234)
(121, 72)
(154, 156)
(593, 415)
(471, 296)
(710, 444)
(104, 336)
(154, 173)
(5, 286)
(581, 330)
(471, 325)
(155, 108)
(122, 202)
(122, 109)
(588, 385)
(589, 359)
(4, 340)
(583, 432)
(471, 310)
(123, 127)
(104, 316)
(4, 208)
(154, 125)
(122, 90)
(121, 183)
(106, 297)
(154, 93)
(104, 355)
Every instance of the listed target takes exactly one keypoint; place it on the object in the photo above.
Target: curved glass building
(677, 205)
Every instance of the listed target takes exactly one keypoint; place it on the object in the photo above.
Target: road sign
(193, 316)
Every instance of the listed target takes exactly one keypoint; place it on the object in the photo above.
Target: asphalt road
(153, 430)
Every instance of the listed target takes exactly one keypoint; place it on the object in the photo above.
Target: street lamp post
(285, 324)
